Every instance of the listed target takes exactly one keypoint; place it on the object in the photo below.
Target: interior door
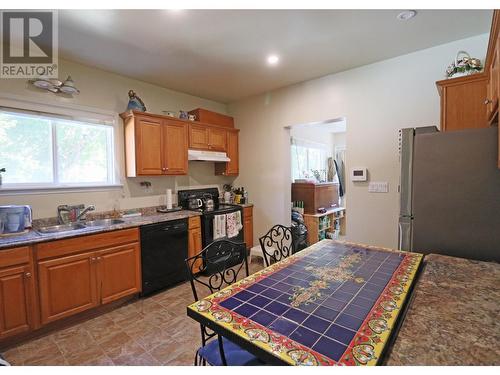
(175, 149)
(67, 286)
(148, 146)
(16, 300)
(119, 272)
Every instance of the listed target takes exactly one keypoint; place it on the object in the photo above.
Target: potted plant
(463, 65)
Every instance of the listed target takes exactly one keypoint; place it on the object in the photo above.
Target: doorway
(318, 178)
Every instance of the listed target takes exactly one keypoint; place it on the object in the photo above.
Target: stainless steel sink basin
(103, 222)
(61, 228)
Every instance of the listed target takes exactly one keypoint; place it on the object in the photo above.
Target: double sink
(79, 225)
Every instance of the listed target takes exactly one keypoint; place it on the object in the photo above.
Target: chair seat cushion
(235, 355)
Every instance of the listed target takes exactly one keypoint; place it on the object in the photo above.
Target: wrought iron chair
(222, 260)
(277, 244)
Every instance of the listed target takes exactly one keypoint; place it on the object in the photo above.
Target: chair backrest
(277, 244)
(223, 260)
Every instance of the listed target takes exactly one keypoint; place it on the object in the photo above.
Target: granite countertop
(454, 316)
(33, 236)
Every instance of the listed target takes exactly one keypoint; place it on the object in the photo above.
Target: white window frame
(299, 142)
(74, 113)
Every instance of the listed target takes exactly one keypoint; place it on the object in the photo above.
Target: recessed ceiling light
(406, 15)
(273, 59)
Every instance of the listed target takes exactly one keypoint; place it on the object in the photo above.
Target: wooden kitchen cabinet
(207, 138)
(175, 145)
(155, 145)
(194, 241)
(80, 273)
(18, 313)
(248, 226)
(463, 102)
(119, 272)
(67, 286)
(231, 168)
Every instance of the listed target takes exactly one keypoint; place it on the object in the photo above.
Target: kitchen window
(41, 150)
(307, 157)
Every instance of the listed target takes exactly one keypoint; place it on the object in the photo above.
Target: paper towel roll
(168, 199)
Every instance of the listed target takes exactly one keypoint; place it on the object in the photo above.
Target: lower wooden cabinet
(67, 286)
(107, 267)
(248, 226)
(119, 272)
(195, 244)
(17, 292)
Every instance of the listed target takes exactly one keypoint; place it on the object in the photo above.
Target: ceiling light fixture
(406, 15)
(273, 59)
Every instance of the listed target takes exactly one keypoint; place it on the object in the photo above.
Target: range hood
(197, 155)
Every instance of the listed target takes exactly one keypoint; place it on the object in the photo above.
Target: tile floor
(150, 331)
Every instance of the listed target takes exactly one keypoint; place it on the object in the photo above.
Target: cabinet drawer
(84, 243)
(11, 257)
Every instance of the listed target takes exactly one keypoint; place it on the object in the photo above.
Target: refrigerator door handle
(400, 236)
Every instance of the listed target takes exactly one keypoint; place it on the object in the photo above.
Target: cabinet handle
(166, 169)
(487, 101)
(27, 275)
(99, 258)
(93, 259)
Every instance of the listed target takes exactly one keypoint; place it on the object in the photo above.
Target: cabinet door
(217, 139)
(16, 300)
(198, 137)
(194, 241)
(463, 105)
(67, 286)
(119, 272)
(148, 146)
(493, 83)
(232, 167)
(175, 149)
(248, 226)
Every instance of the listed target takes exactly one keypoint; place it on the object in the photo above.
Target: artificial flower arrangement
(463, 65)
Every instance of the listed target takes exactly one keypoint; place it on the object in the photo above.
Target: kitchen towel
(233, 224)
(219, 226)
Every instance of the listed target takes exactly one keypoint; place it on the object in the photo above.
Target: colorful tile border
(365, 348)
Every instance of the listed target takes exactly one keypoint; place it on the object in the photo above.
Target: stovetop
(219, 209)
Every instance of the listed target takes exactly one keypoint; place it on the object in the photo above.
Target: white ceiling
(221, 54)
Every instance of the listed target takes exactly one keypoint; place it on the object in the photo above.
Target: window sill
(25, 190)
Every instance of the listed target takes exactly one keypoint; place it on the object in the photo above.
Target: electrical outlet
(378, 187)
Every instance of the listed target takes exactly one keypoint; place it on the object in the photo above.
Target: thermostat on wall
(358, 174)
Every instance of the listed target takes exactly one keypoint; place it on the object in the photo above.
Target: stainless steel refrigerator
(450, 192)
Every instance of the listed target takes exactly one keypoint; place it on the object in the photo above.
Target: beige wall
(104, 91)
(376, 100)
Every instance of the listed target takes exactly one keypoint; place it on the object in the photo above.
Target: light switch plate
(378, 187)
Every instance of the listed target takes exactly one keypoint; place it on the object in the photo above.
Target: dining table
(333, 303)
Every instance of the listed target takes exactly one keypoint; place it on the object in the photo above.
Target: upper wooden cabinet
(231, 168)
(18, 312)
(492, 68)
(208, 138)
(158, 145)
(463, 102)
(155, 145)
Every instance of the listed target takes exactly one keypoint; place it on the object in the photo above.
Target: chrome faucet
(85, 210)
(74, 213)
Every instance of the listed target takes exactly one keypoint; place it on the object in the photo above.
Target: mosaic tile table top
(332, 303)
(453, 319)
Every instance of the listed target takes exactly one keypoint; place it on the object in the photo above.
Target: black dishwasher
(163, 251)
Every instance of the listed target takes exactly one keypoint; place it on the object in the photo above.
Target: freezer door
(406, 137)
(456, 194)
(405, 234)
